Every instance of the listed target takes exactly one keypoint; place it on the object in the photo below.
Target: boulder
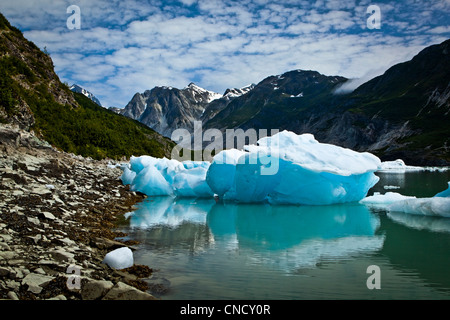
(95, 289)
(122, 291)
(36, 282)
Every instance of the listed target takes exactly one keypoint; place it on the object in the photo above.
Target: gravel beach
(58, 212)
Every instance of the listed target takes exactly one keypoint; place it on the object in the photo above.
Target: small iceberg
(423, 206)
(167, 177)
(439, 205)
(383, 201)
(399, 166)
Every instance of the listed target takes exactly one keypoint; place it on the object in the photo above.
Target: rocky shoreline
(58, 212)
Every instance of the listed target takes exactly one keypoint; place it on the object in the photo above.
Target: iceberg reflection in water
(418, 222)
(289, 237)
(209, 250)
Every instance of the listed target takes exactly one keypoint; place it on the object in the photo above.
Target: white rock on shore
(121, 258)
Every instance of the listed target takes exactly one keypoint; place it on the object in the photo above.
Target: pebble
(48, 215)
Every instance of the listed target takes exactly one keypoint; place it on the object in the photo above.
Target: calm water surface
(200, 249)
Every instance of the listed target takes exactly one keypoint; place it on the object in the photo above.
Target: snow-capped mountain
(79, 89)
(165, 109)
(201, 95)
(237, 92)
(217, 105)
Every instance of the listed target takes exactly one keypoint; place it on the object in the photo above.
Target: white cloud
(440, 30)
(188, 2)
(126, 47)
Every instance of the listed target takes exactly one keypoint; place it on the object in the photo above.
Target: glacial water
(200, 249)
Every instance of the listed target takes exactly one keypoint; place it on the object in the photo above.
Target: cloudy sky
(129, 46)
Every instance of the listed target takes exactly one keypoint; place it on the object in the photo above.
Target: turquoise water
(201, 249)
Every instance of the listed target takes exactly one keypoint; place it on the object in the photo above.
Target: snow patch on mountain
(86, 93)
(205, 95)
(232, 93)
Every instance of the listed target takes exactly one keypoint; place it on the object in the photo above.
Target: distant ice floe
(391, 187)
(399, 166)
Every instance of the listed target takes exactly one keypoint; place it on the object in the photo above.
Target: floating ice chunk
(391, 187)
(445, 193)
(120, 258)
(398, 166)
(379, 200)
(165, 177)
(435, 206)
(395, 202)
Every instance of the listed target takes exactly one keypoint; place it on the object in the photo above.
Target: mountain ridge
(165, 109)
(402, 113)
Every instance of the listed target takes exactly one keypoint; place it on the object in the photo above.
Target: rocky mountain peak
(165, 109)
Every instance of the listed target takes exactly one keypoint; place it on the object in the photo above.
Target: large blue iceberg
(285, 168)
(293, 169)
